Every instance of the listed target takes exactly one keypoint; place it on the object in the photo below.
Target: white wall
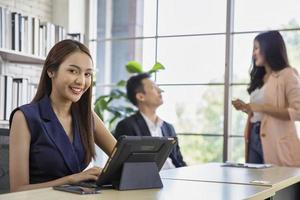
(70, 14)
(40, 8)
(77, 16)
(60, 9)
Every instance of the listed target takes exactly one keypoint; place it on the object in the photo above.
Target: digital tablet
(135, 149)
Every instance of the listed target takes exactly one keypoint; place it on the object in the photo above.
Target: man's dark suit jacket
(135, 125)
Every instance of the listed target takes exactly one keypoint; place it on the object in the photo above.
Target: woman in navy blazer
(52, 138)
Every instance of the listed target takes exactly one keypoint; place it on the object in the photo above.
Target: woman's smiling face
(73, 77)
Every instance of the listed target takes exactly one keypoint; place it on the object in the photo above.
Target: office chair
(4, 176)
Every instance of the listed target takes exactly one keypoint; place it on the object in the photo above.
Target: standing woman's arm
(103, 138)
(293, 94)
(280, 113)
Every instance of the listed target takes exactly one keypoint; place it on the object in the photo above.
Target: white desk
(173, 189)
(278, 178)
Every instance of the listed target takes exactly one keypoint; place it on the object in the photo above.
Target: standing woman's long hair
(81, 109)
(272, 47)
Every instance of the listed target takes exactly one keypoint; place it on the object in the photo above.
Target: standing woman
(52, 138)
(270, 134)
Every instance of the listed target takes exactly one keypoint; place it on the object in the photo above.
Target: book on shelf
(27, 34)
(42, 43)
(2, 97)
(35, 36)
(23, 32)
(23, 92)
(1, 27)
(8, 84)
(20, 92)
(6, 26)
(14, 93)
(48, 36)
(32, 88)
(15, 31)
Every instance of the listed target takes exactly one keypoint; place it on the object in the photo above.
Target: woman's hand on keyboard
(89, 174)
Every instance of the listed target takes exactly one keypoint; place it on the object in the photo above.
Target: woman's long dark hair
(272, 47)
(81, 109)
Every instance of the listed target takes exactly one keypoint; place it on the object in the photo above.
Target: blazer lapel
(164, 130)
(143, 128)
(57, 134)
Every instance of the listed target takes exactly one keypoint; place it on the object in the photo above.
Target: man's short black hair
(134, 85)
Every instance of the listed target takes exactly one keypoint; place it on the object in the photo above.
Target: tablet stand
(139, 175)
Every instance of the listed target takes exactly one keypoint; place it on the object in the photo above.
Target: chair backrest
(4, 176)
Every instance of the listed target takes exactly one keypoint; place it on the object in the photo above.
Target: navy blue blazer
(52, 154)
(135, 125)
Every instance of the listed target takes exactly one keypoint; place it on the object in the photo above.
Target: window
(177, 17)
(189, 39)
(256, 15)
(192, 59)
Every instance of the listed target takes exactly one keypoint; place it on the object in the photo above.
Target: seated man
(146, 95)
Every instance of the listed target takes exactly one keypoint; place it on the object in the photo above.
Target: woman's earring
(50, 74)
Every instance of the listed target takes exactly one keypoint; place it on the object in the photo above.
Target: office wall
(40, 8)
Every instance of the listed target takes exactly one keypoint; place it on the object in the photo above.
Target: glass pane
(242, 57)
(193, 109)
(200, 149)
(191, 16)
(292, 41)
(126, 18)
(114, 55)
(149, 21)
(198, 59)
(237, 149)
(239, 118)
(242, 53)
(280, 14)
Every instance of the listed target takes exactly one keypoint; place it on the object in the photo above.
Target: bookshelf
(20, 57)
(25, 40)
(4, 124)
(28, 30)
